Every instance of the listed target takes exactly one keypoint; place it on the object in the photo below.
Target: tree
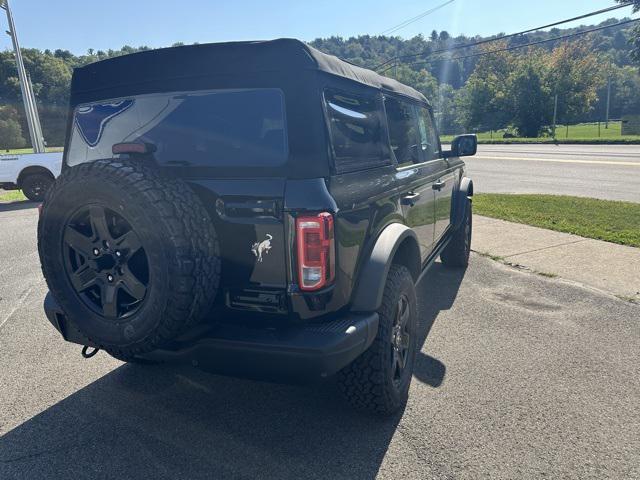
(10, 129)
(635, 39)
(575, 73)
(422, 80)
(485, 100)
(446, 109)
(530, 96)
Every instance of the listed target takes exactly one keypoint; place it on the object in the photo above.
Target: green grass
(19, 151)
(11, 196)
(580, 133)
(616, 222)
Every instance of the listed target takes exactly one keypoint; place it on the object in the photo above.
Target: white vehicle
(33, 173)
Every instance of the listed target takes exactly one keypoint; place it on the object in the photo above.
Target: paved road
(520, 377)
(601, 171)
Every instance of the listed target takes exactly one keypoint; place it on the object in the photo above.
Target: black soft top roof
(226, 60)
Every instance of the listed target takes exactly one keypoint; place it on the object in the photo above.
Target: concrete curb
(602, 265)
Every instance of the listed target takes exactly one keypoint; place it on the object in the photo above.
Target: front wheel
(379, 379)
(35, 186)
(456, 253)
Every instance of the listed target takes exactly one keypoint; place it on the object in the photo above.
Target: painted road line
(560, 160)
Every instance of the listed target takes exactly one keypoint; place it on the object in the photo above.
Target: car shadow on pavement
(436, 292)
(178, 422)
(155, 422)
(17, 205)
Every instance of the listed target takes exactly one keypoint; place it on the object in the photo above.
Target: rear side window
(356, 130)
(428, 136)
(215, 128)
(403, 130)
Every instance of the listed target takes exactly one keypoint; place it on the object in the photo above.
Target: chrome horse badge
(264, 246)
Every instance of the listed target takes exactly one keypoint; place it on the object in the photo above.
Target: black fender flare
(396, 242)
(462, 194)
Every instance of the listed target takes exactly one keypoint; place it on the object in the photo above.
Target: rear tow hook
(88, 354)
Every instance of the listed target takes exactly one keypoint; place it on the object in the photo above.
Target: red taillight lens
(316, 251)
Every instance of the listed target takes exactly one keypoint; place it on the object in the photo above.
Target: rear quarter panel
(367, 202)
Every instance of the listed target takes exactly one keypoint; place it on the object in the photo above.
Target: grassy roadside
(11, 196)
(626, 140)
(584, 133)
(611, 221)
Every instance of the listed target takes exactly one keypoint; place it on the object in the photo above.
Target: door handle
(410, 199)
(438, 185)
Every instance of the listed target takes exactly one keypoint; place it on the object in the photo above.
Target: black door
(443, 184)
(415, 173)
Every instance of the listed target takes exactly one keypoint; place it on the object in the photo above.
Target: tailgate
(250, 227)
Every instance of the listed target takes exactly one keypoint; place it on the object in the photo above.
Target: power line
(503, 37)
(515, 47)
(415, 19)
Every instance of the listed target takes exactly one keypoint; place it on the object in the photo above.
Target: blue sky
(77, 25)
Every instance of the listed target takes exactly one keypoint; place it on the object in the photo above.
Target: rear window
(403, 130)
(214, 128)
(356, 129)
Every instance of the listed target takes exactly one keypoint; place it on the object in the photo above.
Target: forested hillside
(505, 89)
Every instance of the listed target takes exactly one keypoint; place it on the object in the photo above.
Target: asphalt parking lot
(520, 376)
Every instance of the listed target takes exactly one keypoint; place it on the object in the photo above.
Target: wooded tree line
(506, 89)
(514, 89)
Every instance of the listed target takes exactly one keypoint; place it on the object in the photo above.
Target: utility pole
(28, 98)
(606, 123)
(555, 113)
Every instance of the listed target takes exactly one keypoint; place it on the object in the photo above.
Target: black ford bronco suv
(252, 208)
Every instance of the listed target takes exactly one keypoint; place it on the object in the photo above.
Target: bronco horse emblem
(258, 248)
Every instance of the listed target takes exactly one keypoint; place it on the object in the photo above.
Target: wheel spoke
(404, 312)
(395, 363)
(109, 297)
(129, 242)
(402, 359)
(78, 241)
(83, 278)
(99, 223)
(132, 285)
(404, 342)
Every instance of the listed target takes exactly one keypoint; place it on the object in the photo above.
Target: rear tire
(457, 251)
(379, 379)
(130, 255)
(36, 185)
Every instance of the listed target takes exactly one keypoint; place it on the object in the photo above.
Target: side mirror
(463, 146)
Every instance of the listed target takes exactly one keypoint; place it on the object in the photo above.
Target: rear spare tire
(131, 256)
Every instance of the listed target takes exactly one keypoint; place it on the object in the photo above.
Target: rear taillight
(316, 251)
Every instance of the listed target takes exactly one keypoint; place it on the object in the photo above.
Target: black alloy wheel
(35, 186)
(400, 340)
(105, 262)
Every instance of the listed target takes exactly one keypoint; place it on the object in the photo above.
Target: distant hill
(370, 51)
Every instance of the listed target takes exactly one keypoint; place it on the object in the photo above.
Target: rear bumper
(296, 352)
